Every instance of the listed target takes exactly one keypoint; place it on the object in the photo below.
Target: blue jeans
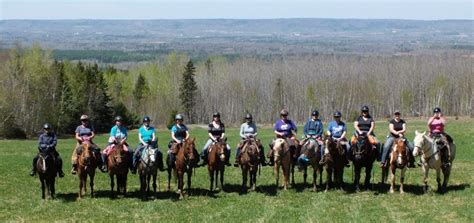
(388, 145)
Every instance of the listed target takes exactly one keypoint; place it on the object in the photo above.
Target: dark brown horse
(363, 155)
(283, 158)
(216, 163)
(311, 150)
(249, 163)
(334, 163)
(87, 163)
(186, 161)
(147, 168)
(47, 171)
(117, 164)
(398, 159)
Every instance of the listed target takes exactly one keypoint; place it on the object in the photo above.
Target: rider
(337, 131)
(179, 133)
(147, 136)
(84, 132)
(284, 128)
(436, 125)
(397, 129)
(365, 124)
(216, 131)
(118, 132)
(47, 144)
(248, 130)
(314, 129)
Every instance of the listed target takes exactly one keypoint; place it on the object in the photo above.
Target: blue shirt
(336, 129)
(118, 132)
(84, 130)
(147, 135)
(313, 127)
(47, 139)
(179, 132)
(285, 127)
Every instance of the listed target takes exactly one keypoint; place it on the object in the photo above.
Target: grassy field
(20, 198)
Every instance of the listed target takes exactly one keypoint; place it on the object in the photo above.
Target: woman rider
(179, 133)
(216, 131)
(436, 125)
(365, 124)
(337, 131)
(118, 134)
(147, 136)
(284, 128)
(47, 144)
(397, 127)
(84, 132)
(248, 130)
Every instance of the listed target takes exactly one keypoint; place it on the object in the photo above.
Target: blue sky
(238, 9)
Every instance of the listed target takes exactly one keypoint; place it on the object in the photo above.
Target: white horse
(431, 159)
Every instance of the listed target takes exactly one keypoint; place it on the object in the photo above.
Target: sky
(236, 9)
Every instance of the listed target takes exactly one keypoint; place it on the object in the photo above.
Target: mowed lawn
(20, 198)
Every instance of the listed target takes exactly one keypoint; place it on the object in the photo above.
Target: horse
(431, 159)
(363, 155)
(47, 171)
(249, 162)
(87, 163)
(118, 163)
(398, 159)
(283, 158)
(310, 149)
(147, 168)
(334, 163)
(216, 163)
(185, 162)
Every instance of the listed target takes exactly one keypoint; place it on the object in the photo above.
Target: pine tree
(139, 93)
(188, 90)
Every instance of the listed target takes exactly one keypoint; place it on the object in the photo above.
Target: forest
(36, 88)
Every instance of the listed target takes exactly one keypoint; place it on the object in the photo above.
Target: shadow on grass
(417, 189)
(68, 197)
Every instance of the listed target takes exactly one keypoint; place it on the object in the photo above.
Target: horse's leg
(315, 176)
(357, 170)
(112, 184)
(329, 173)
(402, 179)
(438, 178)
(169, 178)
(292, 168)
(276, 173)
(43, 187)
(368, 171)
(91, 176)
(392, 178)
(189, 175)
(305, 175)
(148, 183)
(286, 174)
(222, 178)
(143, 186)
(446, 174)
(211, 176)
(244, 178)
(81, 184)
(425, 178)
(53, 189)
(125, 185)
(253, 178)
(154, 184)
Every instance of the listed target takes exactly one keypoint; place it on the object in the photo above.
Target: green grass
(20, 198)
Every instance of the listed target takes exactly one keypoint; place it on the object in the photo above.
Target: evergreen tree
(188, 90)
(139, 93)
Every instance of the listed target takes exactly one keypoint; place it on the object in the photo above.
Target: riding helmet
(315, 113)
(436, 110)
(46, 126)
(146, 119)
(337, 114)
(178, 117)
(84, 117)
(284, 112)
(248, 116)
(118, 118)
(216, 114)
(364, 108)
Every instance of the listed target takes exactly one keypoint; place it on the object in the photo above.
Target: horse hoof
(391, 191)
(402, 192)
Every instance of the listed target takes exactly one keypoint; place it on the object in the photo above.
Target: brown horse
(311, 150)
(334, 163)
(185, 162)
(249, 162)
(398, 159)
(47, 171)
(147, 168)
(87, 163)
(363, 155)
(283, 158)
(216, 163)
(117, 164)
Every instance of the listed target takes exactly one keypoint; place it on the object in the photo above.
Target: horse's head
(280, 146)
(309, 147)
(399, 151)
(118, 153)
(361, 147)
(250, 148)
(421, 142)
(189, 147)
(149, 154)
(219, 146)
(86, 155)
(335, 146)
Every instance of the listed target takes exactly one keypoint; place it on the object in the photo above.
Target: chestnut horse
(117, 164)
(311, 150)
(147, 168)
(249, 162)
(334, 163)
(87, 163)
(47, 171)
(186, 160)
(398, 159)
(216, 163)
(363, 155)
(283, 158)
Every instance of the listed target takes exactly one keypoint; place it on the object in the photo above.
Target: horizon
(428, 10)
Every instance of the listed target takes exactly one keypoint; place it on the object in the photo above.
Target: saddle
(441, 143)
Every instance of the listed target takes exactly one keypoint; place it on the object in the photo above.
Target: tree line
(37, 88)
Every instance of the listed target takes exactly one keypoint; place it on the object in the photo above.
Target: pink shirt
(437, 126)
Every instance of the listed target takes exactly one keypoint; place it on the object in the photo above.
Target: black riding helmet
(315, 113)
(436, 110)
(146, 119)
(47, 126)
(118, 118)
(216, 114)
(284, 112)
(248, 116)
(364, 109)
(337, 114)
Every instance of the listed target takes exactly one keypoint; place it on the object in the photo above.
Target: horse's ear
(193, 139)
(424, 133)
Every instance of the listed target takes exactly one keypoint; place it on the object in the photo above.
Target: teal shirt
(119, 132)
(147, 135)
